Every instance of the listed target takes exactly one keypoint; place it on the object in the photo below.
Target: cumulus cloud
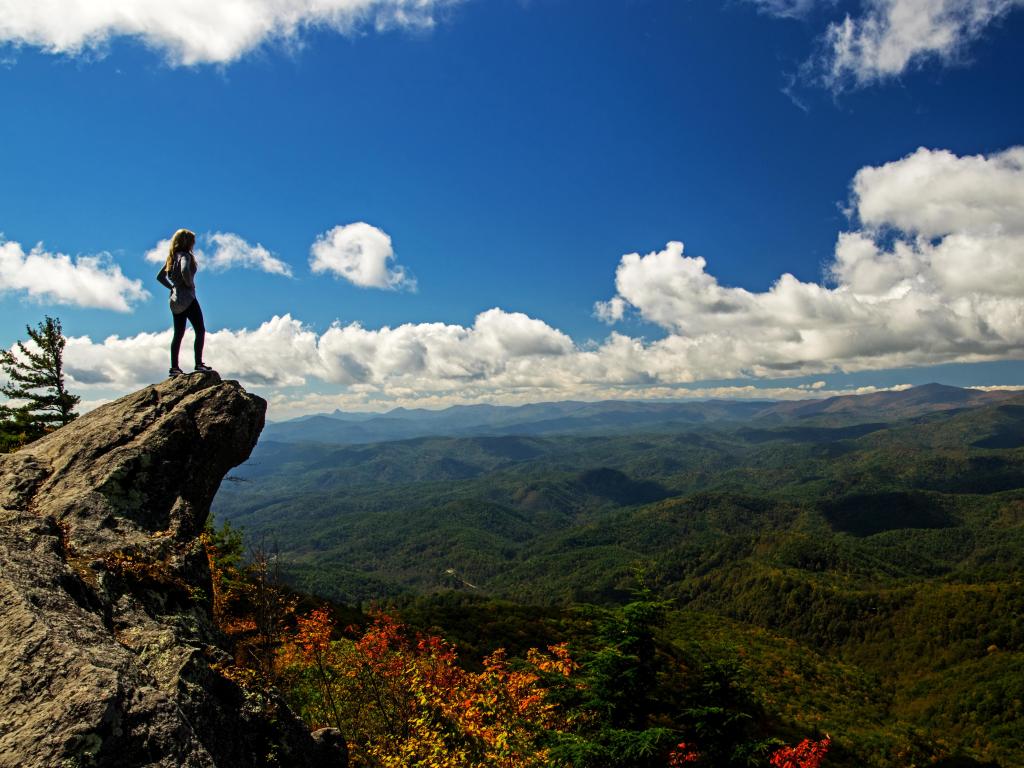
(226, 250)
(230, 250)
(610, 311)
(361, 254)
(189, 32)
(929, 272)
(891, 36)
(426, 357)
(935, 193)
(934, 274)
(85, 281)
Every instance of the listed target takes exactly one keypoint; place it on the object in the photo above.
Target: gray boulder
(108, 652)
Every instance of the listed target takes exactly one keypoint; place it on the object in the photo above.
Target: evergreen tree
(35, 375)
(16, 428)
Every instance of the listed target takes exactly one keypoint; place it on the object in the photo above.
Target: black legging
(194, 314)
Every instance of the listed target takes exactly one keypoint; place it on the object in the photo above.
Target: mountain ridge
(580, 417)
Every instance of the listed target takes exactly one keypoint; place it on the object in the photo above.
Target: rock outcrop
(108, 652)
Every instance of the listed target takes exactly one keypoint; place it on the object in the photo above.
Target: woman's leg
(179, 332)
(195, 316)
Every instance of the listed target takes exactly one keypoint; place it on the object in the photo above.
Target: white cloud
(230, 250)
(86, 281)
(935, 193)
(359, 253)
(158, 253)
(502, 358)
(226, 251)
(894, 35)
(610, 311)
(999, 387)
(284, 352)
(192, 32)
(936, 274)
(935, 280)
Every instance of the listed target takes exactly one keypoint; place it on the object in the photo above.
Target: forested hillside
(858, 565)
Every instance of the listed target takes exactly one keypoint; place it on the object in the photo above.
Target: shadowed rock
(109, 653)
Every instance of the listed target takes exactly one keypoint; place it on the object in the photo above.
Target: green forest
(856, 574)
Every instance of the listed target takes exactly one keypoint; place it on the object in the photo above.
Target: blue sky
(477, 172)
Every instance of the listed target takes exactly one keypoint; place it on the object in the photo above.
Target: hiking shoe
(175, 372)
(203, 368)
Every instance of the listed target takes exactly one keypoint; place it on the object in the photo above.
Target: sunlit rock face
(108, 652)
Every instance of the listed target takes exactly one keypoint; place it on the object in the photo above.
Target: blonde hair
(183, 240)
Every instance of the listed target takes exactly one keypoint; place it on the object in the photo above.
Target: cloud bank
(361, 254)
(93, 281)
(502, 357)
(929, 272)
(187, 32)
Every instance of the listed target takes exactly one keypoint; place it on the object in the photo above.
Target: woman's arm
(187, 269)
(161, 277)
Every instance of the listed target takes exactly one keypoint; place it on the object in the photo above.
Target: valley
(859, 559)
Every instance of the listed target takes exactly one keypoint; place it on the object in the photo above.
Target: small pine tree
(30, 371)
(16, 428)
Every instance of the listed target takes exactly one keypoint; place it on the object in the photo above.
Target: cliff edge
(108, 652)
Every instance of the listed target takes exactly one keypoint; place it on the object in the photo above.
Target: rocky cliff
(108, 652)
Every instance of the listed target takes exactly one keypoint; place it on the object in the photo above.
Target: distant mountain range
(616, 416)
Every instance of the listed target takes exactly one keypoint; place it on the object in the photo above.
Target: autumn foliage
(682, 755)
(404, 700)
(248, 604)
(806, 754)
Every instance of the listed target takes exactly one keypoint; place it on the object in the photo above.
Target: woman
(178, 274)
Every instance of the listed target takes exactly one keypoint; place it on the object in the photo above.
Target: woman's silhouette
(178, 274)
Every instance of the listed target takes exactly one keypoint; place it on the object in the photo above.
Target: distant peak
(934, 386)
